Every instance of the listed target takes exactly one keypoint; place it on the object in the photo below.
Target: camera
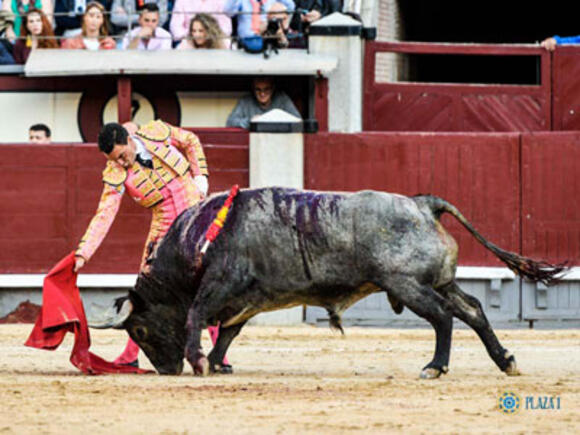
(274, 24)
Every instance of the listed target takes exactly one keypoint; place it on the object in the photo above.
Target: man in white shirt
(148, 36)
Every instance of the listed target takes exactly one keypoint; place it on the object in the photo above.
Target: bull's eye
(140, 332)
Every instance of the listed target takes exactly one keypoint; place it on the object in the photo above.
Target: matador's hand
(79, 263)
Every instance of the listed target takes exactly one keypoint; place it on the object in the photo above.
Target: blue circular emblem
(509, 403)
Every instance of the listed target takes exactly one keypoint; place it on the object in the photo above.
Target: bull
(281, 248)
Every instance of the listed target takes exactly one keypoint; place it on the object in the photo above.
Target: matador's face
(124, 155)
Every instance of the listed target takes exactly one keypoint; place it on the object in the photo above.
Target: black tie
(143, 162)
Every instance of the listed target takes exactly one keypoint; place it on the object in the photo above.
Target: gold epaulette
(156, 131)
(114, 174)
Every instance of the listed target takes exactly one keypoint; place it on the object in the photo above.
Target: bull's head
(158, 329)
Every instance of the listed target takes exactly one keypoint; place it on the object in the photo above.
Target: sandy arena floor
(297, 380)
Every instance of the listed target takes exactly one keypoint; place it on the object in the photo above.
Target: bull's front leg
(193, 351)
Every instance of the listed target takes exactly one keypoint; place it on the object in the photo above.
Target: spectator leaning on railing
(184, 10)
(19, 9)
(264, 97)
(94, 34)
(36, 33)
(148, 35)
(252, 20)
(125, 13)
(204, 32)
(550, 43)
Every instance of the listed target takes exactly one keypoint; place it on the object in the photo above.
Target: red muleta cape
(62, 311)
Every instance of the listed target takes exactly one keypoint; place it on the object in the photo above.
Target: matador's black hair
(112, 134)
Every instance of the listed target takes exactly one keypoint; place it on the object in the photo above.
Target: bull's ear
(138, 302)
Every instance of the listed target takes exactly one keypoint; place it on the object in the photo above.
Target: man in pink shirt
(148, 36)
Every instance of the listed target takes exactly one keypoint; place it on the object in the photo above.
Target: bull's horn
(112, 317)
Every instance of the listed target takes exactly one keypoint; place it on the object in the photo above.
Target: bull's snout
(174, 370)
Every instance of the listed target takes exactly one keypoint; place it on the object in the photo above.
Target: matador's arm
(104, 217)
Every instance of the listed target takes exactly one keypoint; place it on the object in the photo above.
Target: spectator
(306, 13)
(68, 16)
(6, 22)
(264, 98)
(148, 35)
(94, 35)
(252, 22)
(127, 13)
(550, 43)
(39, 133)
(204, 32)
(36, 33)
(184, 11)
(277, 26)
(19, 9)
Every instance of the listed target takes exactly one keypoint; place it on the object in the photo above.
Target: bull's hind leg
(225, 338)
(468, 309)
(426, 303)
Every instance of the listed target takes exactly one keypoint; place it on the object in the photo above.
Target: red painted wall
(479, 173)
(50, 193)
(550, 192)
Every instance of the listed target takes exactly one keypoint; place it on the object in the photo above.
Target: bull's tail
(541, 271)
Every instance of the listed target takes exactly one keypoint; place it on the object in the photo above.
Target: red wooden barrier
(550, 192)
(479, 173)
(440, 107)
(50, 192)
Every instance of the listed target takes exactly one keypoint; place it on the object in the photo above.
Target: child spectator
(36, 32)
(148, 36)
(39, 133)
(264, 98)
(184, 10)
(126, 13)
(252, 22)
(94, 31)
(204, 32)
(19, 9)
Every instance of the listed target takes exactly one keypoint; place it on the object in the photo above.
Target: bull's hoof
(512, 367)
(222, 369)
(430, 373)
(201, 367)
(433, 372)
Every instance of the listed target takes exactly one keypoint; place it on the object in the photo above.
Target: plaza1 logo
(509, 403)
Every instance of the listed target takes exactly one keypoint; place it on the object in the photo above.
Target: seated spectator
(550, 43)
(94, 31)
(68, 16)
(184, 10)
(39, 133)
(204, 32)
(252, 22)
(19, 9)
(36, 33)
(148, 35)
(125, 14)
(6, 21)
(264, 98)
